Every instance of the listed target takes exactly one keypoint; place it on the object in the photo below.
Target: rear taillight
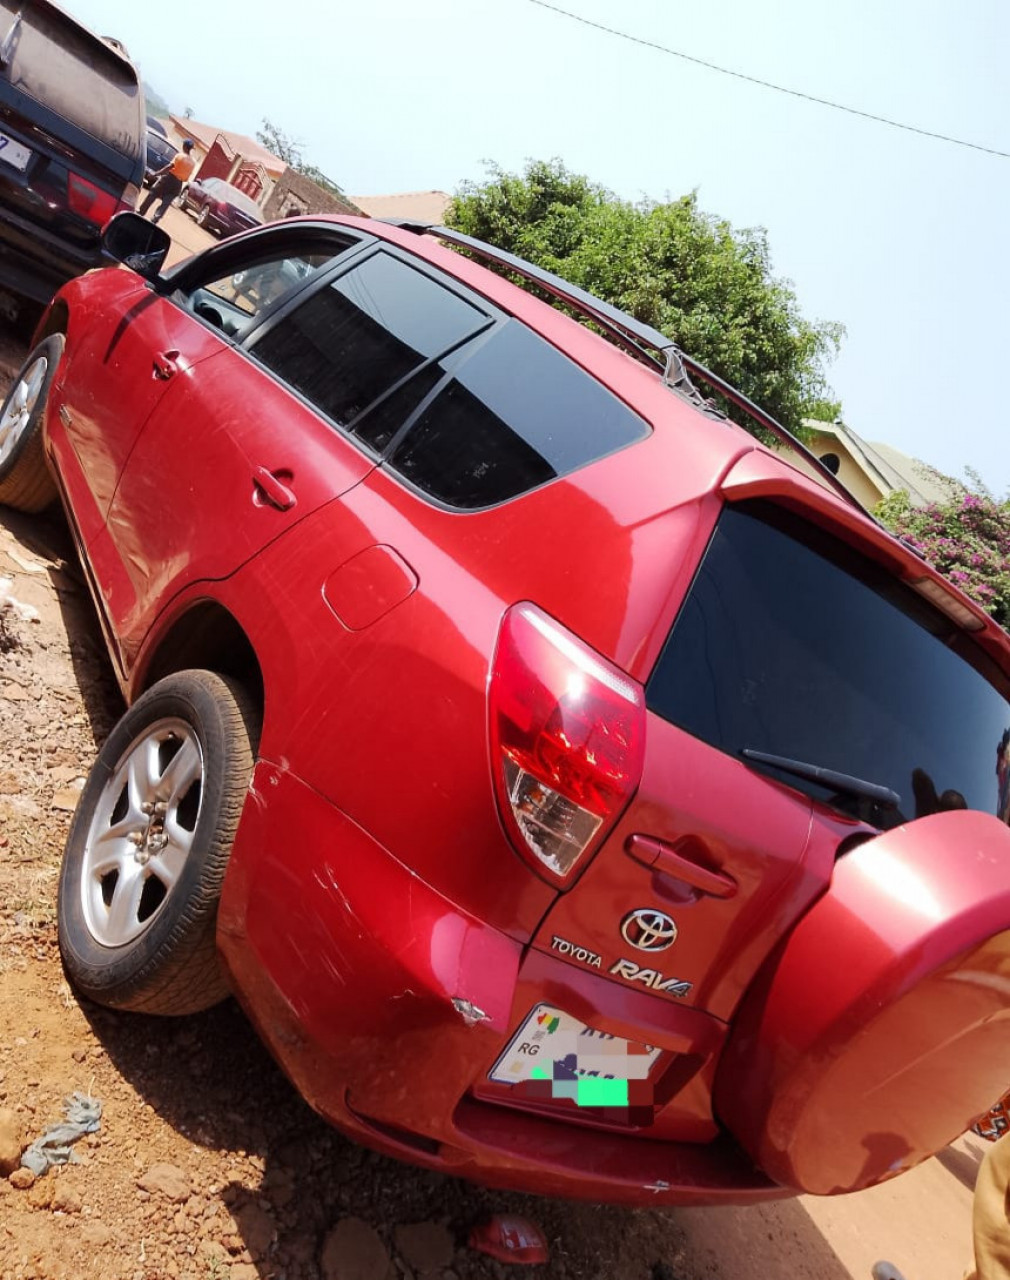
(567, 741)
(128, 200)
(89, 201)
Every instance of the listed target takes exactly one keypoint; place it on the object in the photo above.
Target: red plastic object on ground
(510, 1239)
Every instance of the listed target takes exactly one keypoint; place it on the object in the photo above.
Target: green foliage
(967, 538)
(671, 265)
(289, 149)
(281, 144)
(154, 104)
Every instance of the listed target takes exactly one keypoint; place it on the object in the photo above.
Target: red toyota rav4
(578, 795)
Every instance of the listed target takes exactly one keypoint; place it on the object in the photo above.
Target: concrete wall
(294, 194)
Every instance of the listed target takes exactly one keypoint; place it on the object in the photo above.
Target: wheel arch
(206, 636)
(55, 320)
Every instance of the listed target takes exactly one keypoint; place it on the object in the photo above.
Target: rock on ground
(12, 1138)
(167, 1180)
(424, 1246)
(354, 1251)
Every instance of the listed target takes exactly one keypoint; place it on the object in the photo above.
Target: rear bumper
(34, 263)
(387, 1005)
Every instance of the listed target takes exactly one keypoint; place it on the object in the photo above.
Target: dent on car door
(249, 444)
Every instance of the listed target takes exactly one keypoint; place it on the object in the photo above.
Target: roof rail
(636, 337)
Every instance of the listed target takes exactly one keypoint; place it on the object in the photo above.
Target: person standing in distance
(169, 181)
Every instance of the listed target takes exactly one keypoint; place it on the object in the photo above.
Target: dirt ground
(207, 1166)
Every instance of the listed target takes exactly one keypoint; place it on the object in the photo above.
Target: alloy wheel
(20, 403)
(142, 832)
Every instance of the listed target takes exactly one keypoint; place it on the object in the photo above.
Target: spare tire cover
(880, 1029)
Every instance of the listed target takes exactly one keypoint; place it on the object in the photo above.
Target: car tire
(145, 859)
(202, 217)
(25, 482)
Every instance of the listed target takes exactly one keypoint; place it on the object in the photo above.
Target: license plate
(14, 153)
(553, 1046)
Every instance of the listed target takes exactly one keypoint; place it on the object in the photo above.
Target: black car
(71, 145)
(160, 153)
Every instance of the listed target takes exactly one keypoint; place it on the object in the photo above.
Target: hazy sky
(899, 237)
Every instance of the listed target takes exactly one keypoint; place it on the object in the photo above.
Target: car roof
(719, 445)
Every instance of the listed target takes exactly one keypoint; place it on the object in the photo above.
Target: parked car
(220, 207)
(579, 795)
(160, 152)
(71, 146)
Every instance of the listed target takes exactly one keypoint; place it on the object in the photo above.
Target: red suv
(578, 795)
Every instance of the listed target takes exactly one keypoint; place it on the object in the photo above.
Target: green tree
(690, 275)
(966, 537)
(154, 103)
(281, 144)
(289, 149)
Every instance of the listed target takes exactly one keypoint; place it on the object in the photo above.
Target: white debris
(29, 566)
(26, 612)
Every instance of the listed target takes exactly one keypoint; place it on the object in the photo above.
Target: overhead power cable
(767, 84)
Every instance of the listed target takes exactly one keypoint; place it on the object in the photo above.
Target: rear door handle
(273, 489)
(166, 363)
(672, 861)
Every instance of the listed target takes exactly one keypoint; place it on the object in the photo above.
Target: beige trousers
(990, 1222)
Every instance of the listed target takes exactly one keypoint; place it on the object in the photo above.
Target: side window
(368, 332)
(234, 300)
(517, 414)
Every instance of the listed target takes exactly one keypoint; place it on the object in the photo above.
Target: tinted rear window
(233, 196)
(793, 645)
(517, 414)
(159, 149)
(75, 74)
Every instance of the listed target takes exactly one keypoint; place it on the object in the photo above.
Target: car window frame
(225, 259)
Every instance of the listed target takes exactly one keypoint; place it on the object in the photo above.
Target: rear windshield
(73, 73)
(160, 147)
(792, 645)
(222, 190)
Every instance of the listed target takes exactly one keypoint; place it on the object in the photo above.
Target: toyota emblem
(648, 930)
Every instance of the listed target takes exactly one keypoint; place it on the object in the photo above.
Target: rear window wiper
(826, 777)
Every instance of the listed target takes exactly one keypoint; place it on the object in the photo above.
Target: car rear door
(247, 442)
